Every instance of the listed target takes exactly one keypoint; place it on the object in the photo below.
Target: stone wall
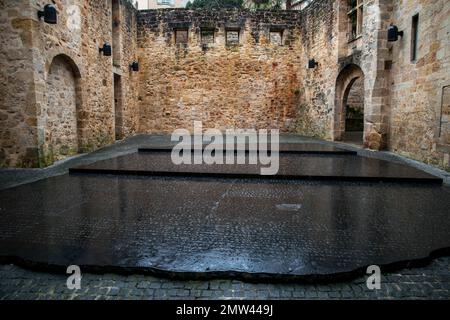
(369, 52)
(355, 97)
(404, 101)
(129, 80)
(60, 96)
(28, 50)
(319, 39)
(419, 114)
(18, 135)
(256, 83)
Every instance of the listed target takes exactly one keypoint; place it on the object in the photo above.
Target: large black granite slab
(201, 228)
(291, 166)
(287, 148)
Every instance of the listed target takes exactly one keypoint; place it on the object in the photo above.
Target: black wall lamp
(106, 49)
(49, 13)
(134, 66)
(312, 63)
(393, 33)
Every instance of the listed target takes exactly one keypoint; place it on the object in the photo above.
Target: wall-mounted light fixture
(393, 33)
(49, 13)
(106, 49)
(134, 66)
(312, 63)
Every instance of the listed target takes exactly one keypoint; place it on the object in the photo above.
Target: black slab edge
(231, 275)
(335, 152)
(87, 170)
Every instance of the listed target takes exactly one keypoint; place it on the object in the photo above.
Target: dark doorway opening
(354, 111)
(118, 106)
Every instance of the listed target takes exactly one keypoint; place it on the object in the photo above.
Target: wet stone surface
(221, 227)
(292, 148)
(291, 166)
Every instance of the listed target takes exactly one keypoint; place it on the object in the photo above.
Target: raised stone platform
(285, 148)
(229, 228)
(193, 226)
(291, 166)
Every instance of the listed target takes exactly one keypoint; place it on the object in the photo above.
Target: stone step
(291, 167)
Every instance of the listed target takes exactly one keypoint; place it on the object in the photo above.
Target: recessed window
(164, 2)
(444, 130)
(355, 18)
(207, 36)
(414, 37)
(276, 37)
(232, 37)
(116, 34)
(181, 36)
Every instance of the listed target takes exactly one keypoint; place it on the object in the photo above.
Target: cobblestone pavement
(431, 282)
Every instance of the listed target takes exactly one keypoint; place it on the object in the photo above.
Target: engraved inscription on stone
(232, 37)
(207, 36)
(181, 36)
(275, 38)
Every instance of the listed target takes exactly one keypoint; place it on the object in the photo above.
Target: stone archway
(349, 105)
(57, 119)
(353, 104)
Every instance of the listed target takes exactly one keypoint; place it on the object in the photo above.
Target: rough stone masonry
(59, 95)
(257, 79)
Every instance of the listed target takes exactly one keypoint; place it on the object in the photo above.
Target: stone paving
(430, 282)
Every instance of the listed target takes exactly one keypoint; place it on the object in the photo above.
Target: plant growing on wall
(251, 4)
(267, 4)
(275, 4)
(214, 4)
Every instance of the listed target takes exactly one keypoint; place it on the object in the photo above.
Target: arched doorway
(349, 105)
(354, 112)
(57, 121)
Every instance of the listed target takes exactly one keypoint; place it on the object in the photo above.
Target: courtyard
(350, 199)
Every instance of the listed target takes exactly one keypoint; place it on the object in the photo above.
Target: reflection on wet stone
(224, 226)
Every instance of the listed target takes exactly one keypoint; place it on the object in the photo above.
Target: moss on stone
(87, 148)
(46, 156)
